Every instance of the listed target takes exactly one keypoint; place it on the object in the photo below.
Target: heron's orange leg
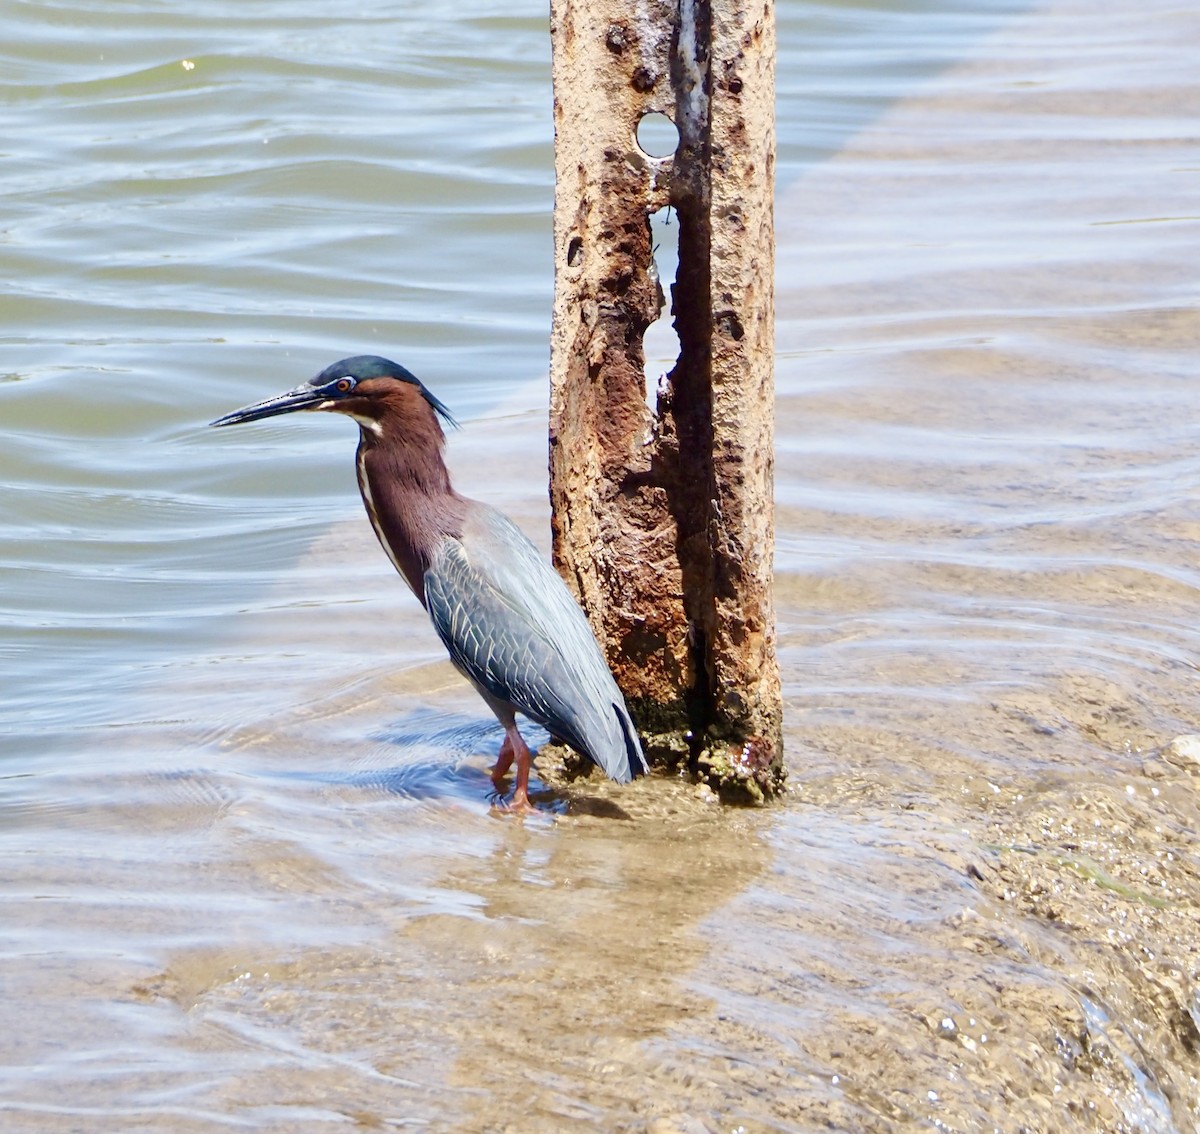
(514, 748)
(503, 762)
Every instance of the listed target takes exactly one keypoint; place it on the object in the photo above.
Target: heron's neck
(410, 501)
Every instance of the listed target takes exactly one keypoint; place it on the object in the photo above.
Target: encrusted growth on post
(663, 517)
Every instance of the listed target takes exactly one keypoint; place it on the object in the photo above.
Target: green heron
(506, 617)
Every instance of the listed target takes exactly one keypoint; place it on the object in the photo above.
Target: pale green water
(200, 208)
(249, 877)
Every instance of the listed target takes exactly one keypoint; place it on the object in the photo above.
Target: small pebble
(1184, 752)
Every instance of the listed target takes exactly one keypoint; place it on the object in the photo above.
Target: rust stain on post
(663, 517)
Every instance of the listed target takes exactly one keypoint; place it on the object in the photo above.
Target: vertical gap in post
(660, 343)
(688, 400)
(689, 392)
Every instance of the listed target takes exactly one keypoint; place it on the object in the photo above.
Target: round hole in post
(657, 135)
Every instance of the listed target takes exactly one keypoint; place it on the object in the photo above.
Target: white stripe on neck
(371, 423)
(365, 485)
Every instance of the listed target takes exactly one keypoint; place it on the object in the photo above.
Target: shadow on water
(441, 756)
(446, 757)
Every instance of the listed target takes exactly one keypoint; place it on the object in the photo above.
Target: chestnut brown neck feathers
(402, 475)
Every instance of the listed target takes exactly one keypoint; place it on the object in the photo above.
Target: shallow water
(252, 875)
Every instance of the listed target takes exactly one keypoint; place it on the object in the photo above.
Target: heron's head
(374, 391)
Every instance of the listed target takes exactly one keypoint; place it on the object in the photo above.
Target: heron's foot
(519, 804)
(516, 805)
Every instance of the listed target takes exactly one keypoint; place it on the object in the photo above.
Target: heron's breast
(389, 540)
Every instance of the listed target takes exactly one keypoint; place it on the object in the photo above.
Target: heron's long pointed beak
(304, 397)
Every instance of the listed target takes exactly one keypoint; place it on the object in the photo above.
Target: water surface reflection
(252, 873)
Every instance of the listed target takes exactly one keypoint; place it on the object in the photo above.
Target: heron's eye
(344, 385)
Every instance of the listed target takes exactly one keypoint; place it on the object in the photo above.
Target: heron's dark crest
(363, 367)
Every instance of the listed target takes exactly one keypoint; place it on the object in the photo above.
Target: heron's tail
(633, 746)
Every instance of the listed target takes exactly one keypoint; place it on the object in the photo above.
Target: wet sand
(988, 585)
(978, 907)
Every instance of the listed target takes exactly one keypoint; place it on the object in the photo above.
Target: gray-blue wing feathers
(513, 628)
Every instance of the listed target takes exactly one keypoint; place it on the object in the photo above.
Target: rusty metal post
(663, 519)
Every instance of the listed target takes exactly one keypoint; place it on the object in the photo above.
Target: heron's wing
(511, 625)
(489, 638)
